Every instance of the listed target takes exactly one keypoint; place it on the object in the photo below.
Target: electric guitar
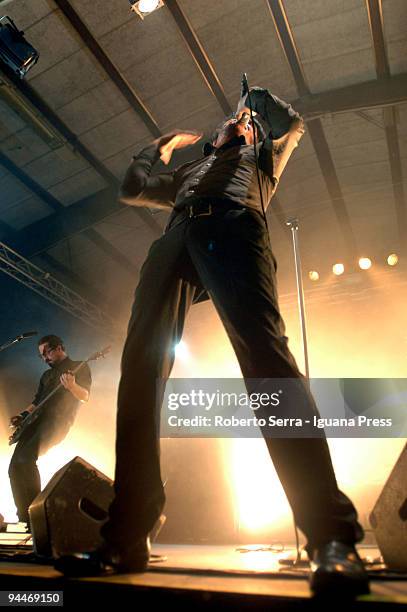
(33, 416)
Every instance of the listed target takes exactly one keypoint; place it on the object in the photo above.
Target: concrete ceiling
(107, 91)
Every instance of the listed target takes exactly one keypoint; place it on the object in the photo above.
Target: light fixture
(313, 275)
(15, 51)
(392, 259)
(17, 102)
(338, 269)
(145, 7)
(365, 263)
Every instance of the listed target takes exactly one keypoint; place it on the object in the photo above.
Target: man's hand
(70, 384)
(243, 106)
(15, 421)
(68, 380)
(176, 139)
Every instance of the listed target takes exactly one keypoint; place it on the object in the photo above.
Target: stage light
(144, 7)
(392, 259)
(365, 263)
(181, 350)
(26, 110)
(338, 269)
(15, 51)
(313, 275)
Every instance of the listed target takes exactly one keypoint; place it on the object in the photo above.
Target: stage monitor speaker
(67, 515)
(389, 517)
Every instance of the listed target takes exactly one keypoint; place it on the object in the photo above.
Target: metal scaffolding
(50, 288)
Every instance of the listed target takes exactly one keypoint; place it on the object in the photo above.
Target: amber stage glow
(346, 338)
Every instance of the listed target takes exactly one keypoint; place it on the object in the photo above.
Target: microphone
(3, 347)
(244, 119)
(244, 85)
(26, 335)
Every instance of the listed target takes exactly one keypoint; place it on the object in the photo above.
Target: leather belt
(205, 208)
(199, 209)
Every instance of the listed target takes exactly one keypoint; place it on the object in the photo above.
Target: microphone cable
(245, 88)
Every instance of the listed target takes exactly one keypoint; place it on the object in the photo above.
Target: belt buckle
(199, 214)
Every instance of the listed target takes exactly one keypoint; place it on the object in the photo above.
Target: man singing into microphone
(54, 420)
(216, 241)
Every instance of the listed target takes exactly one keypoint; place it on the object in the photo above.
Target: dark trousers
(228, 254)
(23, 471)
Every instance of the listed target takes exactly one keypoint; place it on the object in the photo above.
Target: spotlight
(338, 269)
(144, 7)
(365, 263)
(313, 275)
(392, 259)
(15, 51)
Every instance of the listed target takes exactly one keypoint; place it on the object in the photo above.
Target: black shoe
(338, 569)
(106, 561)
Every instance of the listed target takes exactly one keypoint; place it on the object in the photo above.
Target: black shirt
(227, 173)
(62, 407)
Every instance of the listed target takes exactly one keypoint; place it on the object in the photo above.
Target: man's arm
(69, 382)
(139, 188)
(279, 115)
(286, 129)
(18, 418)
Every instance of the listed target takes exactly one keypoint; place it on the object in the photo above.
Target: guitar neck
(59, 386)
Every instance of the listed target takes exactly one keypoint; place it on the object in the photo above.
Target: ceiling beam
(29, 93)
(375, 16)
(56, 205)
(199, 55)
(109, 67)
(393, 146)
(101, 205)
(287, 43)
(327, 166)
(28, 182)
(353, 98)
(315, 128)
(46, 233)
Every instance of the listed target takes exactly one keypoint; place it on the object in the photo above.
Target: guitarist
(55, 419)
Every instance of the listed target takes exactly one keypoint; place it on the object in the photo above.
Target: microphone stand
(293, 225)
(3, 347)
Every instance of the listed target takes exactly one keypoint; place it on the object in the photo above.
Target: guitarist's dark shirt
(60, 410)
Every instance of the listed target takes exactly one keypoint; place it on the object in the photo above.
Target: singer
(53, 423)
(216, 242)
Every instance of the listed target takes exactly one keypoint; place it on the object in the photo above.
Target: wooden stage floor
(199, 577)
